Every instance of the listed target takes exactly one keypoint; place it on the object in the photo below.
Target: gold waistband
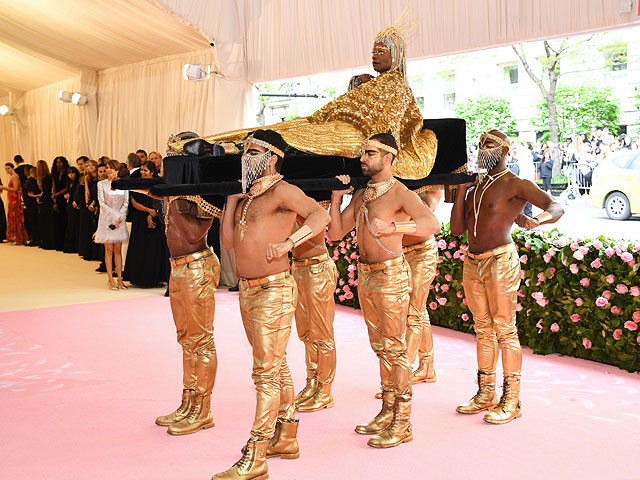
(192, 257)
(376, 267)
(493, 252)
(419, 246)
(264, 281)
(303, 262)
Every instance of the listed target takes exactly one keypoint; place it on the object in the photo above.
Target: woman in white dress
(112, 229)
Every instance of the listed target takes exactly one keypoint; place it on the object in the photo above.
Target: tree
(486, 113)
(579, 108)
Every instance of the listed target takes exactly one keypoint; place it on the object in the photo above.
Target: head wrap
(394, 38)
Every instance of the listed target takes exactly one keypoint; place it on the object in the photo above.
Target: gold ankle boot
(400, 429)
(322, 398)
(251, 466)
(308, 390)
(181, 412)
(284, 443)
(424, 373)
(509, 406)
(485, 399)
(199, 417)
(382, 420)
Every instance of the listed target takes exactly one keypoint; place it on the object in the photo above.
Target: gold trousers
(491, 282)
(383, 290)
(316, 279)
(192, 288)
(423, 261)
(267, 305)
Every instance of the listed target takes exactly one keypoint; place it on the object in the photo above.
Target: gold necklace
(485, 187)
(259, 186)
(376, 190)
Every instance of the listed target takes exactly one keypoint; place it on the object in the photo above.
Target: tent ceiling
(44, 41)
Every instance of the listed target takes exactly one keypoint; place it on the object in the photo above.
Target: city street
(580, 220)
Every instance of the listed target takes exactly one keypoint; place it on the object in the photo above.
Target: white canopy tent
(127, 57)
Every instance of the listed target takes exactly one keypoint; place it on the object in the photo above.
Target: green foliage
(486, 113)
(563, 283)
(579, 108)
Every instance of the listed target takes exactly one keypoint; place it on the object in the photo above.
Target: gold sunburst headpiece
(394, 38)
(380, 145)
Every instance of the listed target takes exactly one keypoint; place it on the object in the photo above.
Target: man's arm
(228, 221)
(422, 217)
(530, 192)
(458, 221)
(341, 222)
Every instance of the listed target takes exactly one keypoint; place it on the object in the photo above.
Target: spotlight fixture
(196, 72)
(78, 99)
(64, 96)
(4, 110)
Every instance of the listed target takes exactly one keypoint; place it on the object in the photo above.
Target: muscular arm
(315, 217)
(426, 222)
(530, 192)
(228, 223)
(344, 222)
(458, 222)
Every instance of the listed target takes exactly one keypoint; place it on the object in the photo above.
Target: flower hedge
(577, 297)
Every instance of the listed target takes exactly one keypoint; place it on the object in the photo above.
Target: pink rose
(583, 250)
(575, 318)
(456, 254)
(554, 327)
(629, 325)
(353, 256)
(522, 275)
(541, 277)
(459, 294)
(615, 310)
(597, 244)
(518, 307)
(341, 298)
(585, 282)
(539, 325)
(442, 244)
(610, 278)
(626, 256)
(520, 294)
(574, 246)
(638, 340)
(579, 301)
(453, 244)
(552, 271)
(524, 259)
(546, 257)
(447, 254)
(601, 302)
(527, 282)
(609, 252)
(607, 294)
(437, 272)
(448, 277)
(337, 291)
(348, 295)
(465, 317)
(433, 305)
(537, 295)
(586, 343)
(635, 291)
(464, 302)
(573, 268)
(596, 263)
(578, 255)
(445, 288)
(355, 282)
(636, 316)
(341, 282)
(442, 301)
(621, 288)
(617, 333)
(343, 250)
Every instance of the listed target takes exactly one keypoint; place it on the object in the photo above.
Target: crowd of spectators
(60, 208)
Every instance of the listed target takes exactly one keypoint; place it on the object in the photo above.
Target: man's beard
(253, 167)
(488, 158)
(371, 169)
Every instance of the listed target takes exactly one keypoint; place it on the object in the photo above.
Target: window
(625, 160)
(635, 163)
(449, 100)
(615, 56)
(511, 74)
(420, 102)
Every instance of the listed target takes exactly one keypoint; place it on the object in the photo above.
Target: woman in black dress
(71, 233)
(59, 174)
(147, 263)
(46, 229)
(86, 213)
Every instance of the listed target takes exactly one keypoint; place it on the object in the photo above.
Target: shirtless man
(259, 229)
(382, 213)
(316, 276)
(491, 274)
(195, 273)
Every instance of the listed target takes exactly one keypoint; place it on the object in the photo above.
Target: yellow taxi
(616, 185)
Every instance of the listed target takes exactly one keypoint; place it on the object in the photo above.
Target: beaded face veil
(488, 158)
(254, 166)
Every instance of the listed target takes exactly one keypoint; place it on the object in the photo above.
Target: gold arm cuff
(405, 227)
(301, 235)
(544, 217)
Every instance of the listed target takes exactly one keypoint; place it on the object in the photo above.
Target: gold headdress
(264, 144)
(394, 38)
(380, 145)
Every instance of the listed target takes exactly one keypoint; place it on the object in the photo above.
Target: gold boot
(322, 398)
(509, 406)
(284, 443)
(199, 417)
(252, 465)
(400, 429)
(181, 412)
(424, 373)
(382, 420)
(308, 390)
(485, 399)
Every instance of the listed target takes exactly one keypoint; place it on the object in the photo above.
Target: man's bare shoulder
(285, 189)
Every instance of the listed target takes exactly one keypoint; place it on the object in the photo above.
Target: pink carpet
(80, 387)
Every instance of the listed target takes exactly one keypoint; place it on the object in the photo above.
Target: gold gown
(385, 104)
